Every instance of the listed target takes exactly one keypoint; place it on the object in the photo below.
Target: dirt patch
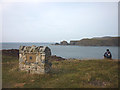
(32, 80)
(98, 83)
(19, 84)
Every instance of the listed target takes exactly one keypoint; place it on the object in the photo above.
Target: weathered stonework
(34, 59)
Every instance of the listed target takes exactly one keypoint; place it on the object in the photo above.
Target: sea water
(68, 51)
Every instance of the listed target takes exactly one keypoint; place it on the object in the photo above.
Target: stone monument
(34, 59)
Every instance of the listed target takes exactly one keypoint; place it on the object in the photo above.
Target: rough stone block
(34, 59)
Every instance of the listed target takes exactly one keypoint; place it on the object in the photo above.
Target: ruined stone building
(34, 59)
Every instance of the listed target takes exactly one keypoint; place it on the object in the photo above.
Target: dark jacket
(108, 54)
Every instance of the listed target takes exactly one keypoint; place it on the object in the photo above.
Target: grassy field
(64, 74)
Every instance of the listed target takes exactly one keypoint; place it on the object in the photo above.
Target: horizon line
(57, 41)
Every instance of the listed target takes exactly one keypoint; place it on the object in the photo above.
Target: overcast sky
(54, 22)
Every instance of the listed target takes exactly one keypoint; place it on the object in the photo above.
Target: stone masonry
(34, 59)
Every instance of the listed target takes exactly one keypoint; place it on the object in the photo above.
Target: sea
(69, 51)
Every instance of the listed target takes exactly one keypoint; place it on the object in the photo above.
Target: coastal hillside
(103, 41)
(64, 73)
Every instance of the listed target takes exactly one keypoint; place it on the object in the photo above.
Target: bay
(78, 52)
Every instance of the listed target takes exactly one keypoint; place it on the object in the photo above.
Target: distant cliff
(103, 41)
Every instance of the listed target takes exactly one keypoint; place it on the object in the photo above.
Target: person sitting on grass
(108, 54)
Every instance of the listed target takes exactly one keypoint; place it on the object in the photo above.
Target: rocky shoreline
(15, 53)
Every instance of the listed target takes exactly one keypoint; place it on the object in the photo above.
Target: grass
(64, 74)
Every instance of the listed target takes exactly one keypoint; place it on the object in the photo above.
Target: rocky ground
(15, 53)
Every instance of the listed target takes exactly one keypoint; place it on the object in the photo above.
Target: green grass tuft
(64, 74)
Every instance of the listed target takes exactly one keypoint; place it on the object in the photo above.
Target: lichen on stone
(35, 59)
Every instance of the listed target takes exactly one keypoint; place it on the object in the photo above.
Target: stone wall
(35, 59)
